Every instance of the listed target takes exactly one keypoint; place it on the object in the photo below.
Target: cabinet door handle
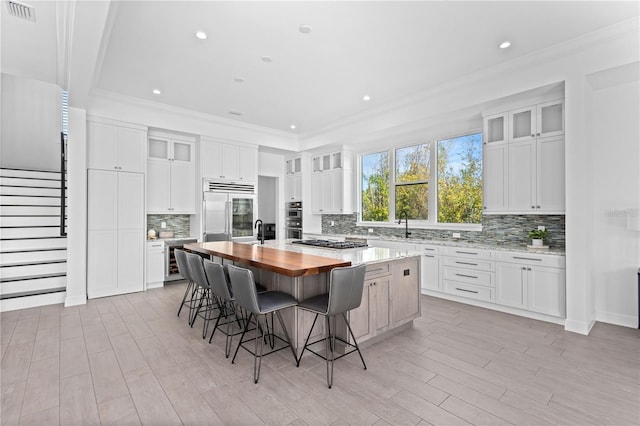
(533, 135)
(533, 207)
(466, 276)
(468, 291)
(466, 263)
(527, 258)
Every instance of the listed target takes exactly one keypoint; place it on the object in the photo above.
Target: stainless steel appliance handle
(228, 222)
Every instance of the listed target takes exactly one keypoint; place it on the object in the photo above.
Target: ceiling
(385, 49)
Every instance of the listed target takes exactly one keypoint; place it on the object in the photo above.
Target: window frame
(432, 187)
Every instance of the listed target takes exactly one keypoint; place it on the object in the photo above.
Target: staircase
(33, 243)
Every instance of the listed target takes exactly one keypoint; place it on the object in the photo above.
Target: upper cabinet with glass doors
(536, 121)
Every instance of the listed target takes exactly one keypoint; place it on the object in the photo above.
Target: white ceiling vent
(21, 10)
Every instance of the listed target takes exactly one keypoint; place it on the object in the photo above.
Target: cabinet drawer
(531, 259)
(470, 276)
(429, 250)
(481, 265)
(470, 253)
(469, 290)
(377, 270)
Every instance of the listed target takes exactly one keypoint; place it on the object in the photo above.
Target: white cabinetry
(228, 161)
(532, 282)
(115, 240)
(293, 179)
(430, 270)
(524, 160)
(469, 273)
(155, 264)
(171, 183)
(332, 183)
(116, 146)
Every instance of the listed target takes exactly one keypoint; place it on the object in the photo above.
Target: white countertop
(355, 255)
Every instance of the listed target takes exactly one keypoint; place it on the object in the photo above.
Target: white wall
(616, 191)
(31, 124)
(77, 210)
(268, 199)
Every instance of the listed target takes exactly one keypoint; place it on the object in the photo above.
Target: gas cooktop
(331, 244)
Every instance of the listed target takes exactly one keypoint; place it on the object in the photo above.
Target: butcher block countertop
(285, 262)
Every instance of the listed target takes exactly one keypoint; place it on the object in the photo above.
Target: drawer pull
(430, 249)
(429, 255)
(466, 263)
(466, 252)
(527, 258)
(467, 276)
(468, 291)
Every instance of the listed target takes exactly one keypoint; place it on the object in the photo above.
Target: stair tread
(33, 277)
(32, 263)
(30, 196)
(29, 170)
(32, 238)
(32, 293)
(29, 226)
(32, 250)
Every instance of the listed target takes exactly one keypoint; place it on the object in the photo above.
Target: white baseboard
(617, 319)
(75, 300)
(579, 327)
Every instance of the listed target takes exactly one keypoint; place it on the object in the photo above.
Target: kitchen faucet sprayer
(406, 223)
(258, 225)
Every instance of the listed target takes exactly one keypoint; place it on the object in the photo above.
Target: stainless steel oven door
(293, 233)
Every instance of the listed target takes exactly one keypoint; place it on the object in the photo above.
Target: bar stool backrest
(345, 289)
(183, 264)
(217, 280)
(197, 270)
(244, 288)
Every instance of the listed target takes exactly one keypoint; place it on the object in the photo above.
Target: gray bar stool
(345, 293)
(259, 305)
(218, 279)
(190, 291)
(207, 303)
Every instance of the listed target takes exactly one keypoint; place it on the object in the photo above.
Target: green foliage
(375, 192)
(412, 170)
(459, 192)
(538, 234)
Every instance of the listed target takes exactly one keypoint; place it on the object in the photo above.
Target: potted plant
(537, 236)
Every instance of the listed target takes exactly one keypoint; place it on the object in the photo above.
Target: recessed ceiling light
(238, 79)
(235, 112)
(305, 28)
(293, 126)
(505, 44)
(201, 35)
(156, 91)
(366, 98)
(266, 59)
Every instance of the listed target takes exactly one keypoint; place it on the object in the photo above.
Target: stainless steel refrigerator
(229, 215)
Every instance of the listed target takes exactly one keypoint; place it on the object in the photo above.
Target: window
(448, 192)
(412, 181)
(375, 187)
(460, 179)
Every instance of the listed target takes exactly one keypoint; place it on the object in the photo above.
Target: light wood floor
(130, 360)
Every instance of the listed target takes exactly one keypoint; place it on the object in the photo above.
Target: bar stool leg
(355, 342)
(246, 326)
(286, 334)
(186, 293)
(257, 358)
(306, 341)
(329, 354)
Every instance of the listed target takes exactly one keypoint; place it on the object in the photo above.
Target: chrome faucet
(406, 223)
(258, 225)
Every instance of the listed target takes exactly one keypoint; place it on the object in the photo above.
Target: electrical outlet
(541, 228)
(163, 225)
(370, 230)
(333, 223)
(456, 235)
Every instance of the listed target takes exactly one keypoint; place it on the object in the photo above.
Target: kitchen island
(391, 296)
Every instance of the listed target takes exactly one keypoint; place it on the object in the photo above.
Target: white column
(77, 208)
(579, 148)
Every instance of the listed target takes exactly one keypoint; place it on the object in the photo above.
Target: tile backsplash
(178, 223)
(507, 230)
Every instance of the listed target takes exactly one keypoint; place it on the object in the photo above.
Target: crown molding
(190, 114)
(575, 46)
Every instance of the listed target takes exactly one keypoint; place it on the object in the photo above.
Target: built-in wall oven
(293, 225)
(171, 272)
